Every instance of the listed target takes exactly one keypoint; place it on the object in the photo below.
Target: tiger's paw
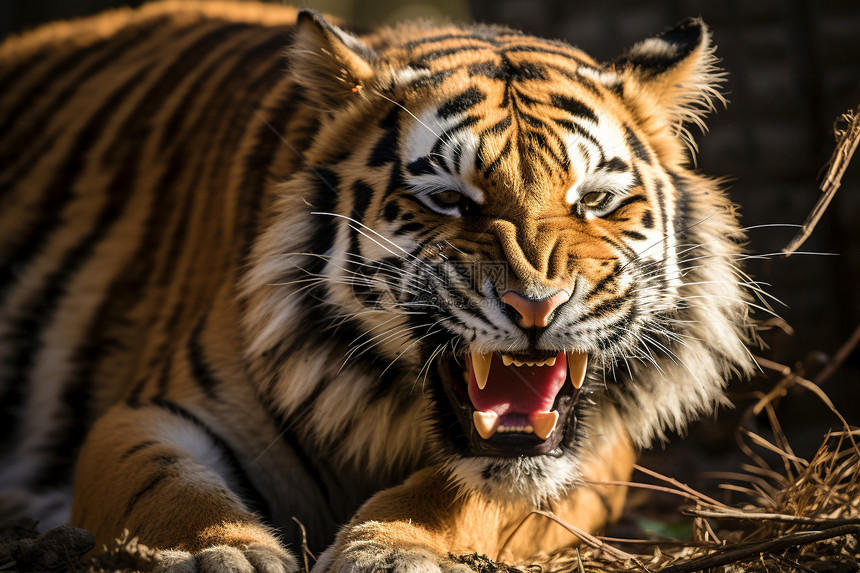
(372, 557)
(251, 558)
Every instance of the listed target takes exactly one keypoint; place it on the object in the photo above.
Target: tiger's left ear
(672, 79)
(330, 64)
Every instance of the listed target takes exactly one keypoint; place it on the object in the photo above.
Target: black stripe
(614, 165)
(614, 333)
(408, 228)
(424, 60)
(247, 491)
(606, 307)
(200, 371)
(529, 119)
(574, 127)
(421, 166)
(391, 211)
(456, 157)
(632, 199)
(164, 375)
(257, 167)
(150, 485)
(325, 184)
(464, 35)
(574, 107)
(661, 204)
(498, 127)
(620, 247)
(461, 103)
(543, 50)
(445, 138)
(386, 146)
(538, 140)
(635, 235)
(487, 68)
(681, 221)
(490, 169)
(11, 73)
(639, 150)
(648, 220)
(133, 399)
(610, 278)
(137, 447)
(563, 156)
(362, 194)
(508, 71)
(396, 183)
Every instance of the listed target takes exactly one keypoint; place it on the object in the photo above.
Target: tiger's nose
(535, 312)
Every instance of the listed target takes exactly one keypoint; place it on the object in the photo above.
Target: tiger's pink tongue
(523, 390)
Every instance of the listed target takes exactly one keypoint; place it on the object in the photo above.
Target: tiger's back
(137, 150)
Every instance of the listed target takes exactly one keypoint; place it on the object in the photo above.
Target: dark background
(794, 67)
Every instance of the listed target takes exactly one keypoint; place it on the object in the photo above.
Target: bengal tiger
(402, 288)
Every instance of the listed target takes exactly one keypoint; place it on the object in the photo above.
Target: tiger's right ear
(672, 80)
(330, 64)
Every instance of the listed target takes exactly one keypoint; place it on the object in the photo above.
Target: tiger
(269, 285)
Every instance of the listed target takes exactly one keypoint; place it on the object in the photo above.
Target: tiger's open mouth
(514, 404)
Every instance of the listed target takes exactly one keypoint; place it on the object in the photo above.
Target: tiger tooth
(486, 423)
(543, 423)
(576, 364)
(481, 367)
(518, 364)
(550, 361)
(507, 360)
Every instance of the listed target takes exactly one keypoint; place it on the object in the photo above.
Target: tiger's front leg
(158, 474)
(415, 527)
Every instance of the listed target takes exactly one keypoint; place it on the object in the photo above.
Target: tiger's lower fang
(486, 423)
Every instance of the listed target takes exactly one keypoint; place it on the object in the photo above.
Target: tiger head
(514, 229)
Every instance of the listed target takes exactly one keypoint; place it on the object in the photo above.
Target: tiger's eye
(447, 197)
(594, 199)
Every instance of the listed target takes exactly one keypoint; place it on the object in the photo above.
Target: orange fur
(429, 512)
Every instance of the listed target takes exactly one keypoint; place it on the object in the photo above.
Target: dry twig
(848, 138)
(740, 553)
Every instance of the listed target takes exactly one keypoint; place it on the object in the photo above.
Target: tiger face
(514, 227)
